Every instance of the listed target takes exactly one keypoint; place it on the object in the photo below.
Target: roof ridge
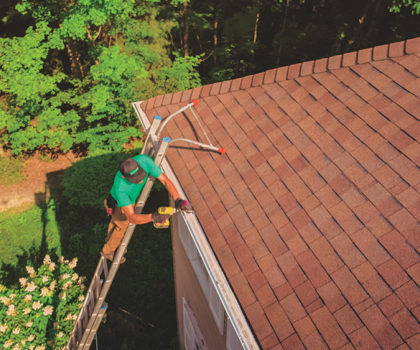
(293, 71)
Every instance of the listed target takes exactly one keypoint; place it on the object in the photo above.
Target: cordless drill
(168, 211)
(165, 211)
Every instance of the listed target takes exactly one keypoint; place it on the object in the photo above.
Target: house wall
(188, 287)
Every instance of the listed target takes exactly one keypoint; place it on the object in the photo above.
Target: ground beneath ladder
(34, 184)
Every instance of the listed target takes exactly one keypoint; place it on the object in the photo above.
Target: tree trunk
(186, 28)
(257, 19)
(74, 58)
(215, 39)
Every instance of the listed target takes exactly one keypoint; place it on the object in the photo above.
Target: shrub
(88, 182)
(41, 314)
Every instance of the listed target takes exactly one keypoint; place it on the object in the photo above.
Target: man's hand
(181, 204)
(159, 218)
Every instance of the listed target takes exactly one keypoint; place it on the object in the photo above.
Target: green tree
(413, 5)
(83, 63)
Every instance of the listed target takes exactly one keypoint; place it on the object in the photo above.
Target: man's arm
(169, 186)
(134, 218)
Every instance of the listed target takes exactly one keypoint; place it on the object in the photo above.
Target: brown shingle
(329, 328)
(409, 293)
(412, 45)
(320, 65)
(294, 71)
(313, 211)
(381, 329)
(279, 320)
(313, 268)
(331, 296)
(371, 281)
(396, 49)
(380, 52)
(309, 334)
(362, 339)
(405, 324)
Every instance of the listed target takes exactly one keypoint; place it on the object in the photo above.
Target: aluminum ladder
(94, 306)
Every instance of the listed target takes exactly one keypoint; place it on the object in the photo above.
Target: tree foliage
(413, 5)
(68, 81)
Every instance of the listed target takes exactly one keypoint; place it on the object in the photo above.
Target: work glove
(159, 218)
(181, 204)
(107, 209)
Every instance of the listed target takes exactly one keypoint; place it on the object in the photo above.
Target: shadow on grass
(34, 256)
(141, 300)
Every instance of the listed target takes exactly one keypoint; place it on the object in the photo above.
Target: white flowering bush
(41, 314)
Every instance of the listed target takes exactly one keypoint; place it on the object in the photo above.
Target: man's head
(132, 171)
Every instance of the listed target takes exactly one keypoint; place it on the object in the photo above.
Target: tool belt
(111, 203)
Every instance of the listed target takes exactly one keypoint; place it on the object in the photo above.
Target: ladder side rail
(96, 325)
(71, 344)
(147, 147)
(78, 329)
(151, 131)
(105, 268)
(89, 314)
(97, 287)
(167, 119)
(84, 311)
(92, 297)
(201, 126)
(75, 337)
(94, 321)
(199, 144)
(97, 273)
(78, 333)
(113, 271)
(89, 311)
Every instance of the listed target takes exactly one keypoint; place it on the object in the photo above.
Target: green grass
(11, 170)
(22, 233)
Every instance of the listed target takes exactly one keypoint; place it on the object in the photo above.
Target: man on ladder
(128, 183)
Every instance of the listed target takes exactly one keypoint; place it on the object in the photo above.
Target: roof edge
(293, 71)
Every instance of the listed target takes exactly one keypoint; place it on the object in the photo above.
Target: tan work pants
(116, 230)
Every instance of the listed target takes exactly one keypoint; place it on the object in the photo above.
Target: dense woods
(69, 69)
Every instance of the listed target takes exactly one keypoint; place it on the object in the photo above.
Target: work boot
(110, 257)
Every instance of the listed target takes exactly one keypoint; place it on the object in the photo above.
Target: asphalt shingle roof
(313, 213)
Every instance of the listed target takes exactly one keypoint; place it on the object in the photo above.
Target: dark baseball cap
(132, 171)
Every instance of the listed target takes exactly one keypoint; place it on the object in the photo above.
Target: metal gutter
(218, 278)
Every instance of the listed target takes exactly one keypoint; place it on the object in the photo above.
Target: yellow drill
(165, 211)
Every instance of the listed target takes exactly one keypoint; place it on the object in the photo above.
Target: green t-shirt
(126, 192)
